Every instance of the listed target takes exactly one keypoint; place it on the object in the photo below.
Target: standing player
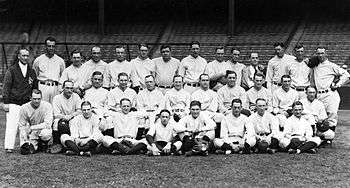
(235, 66)
(217, 69)
(258, 91)
(254, 68)
(48, 68)
(277, 67)
(19, 81)
(166, 67)
(192, 67)
(35, 120)
(120, 64)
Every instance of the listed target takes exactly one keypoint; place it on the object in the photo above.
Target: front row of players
(194, 134)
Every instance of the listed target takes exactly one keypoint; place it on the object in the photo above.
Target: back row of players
(183, 92)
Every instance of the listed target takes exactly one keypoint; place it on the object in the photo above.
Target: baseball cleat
(70, 153)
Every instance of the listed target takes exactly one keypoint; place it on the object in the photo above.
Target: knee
(64, 138)
(210, 134)
(284, 142)
(251, 142)
(178, 145)
(329, 135)
(262, 146)
(46, 134)
(316, 140)
(218, 142)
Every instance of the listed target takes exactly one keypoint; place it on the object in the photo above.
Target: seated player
(199, 131)
(258, 91)
(235, 134)
(35, 120)
(162, 136)
(85, 134)
(125, 128)
(266, 128)
(298, 136)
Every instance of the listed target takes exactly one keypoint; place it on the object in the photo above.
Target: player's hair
(165, 110)
(234, 48)
(97, 73)
(64, 83)
(50, 38)
(204, 74)
(219, 48)
(194, 42)
(178, 75)
(119, 46)
(195, 103)
(76, 51)
(320, 47)
(298, 46)
(259, 74)
(236, 101)
(164, 46)
(260, 99)
(228, 72)
(278, 44)
(143, 45)
(37, 91)
(122, 74)
(23, 48)
(85, 103)
(96, 46)
(150, 75)
(296, 103)
(124, 99)
(285, 76)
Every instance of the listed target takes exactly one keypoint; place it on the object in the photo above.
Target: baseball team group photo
(233, 96)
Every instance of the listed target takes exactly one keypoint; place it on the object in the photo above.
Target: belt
(296, 135)
(276, 83)
(178, 110)
(299, 88)
(150, 110)
(193, 84)
(263, 134)
(324, 91)
(236, 136)
(165, 87)
(122, 137)
(49, 83)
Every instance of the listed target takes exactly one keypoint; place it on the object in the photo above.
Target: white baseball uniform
(140, 69)
(113, 69)
(191, 69)
(63, 106)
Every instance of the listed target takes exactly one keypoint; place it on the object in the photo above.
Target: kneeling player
(162, 136)
(235, 133)
(85, 133)
(298, 133)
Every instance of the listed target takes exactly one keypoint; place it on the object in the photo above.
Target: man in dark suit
(19, 81)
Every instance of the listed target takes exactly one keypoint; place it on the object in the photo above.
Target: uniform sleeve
(287, 132)
(183, 68)
(96, 127)
(245, 77)
(152, 130)
(308, 130)
(64, 76)
(322, 112)
(209, 124)
(249, 128)
(243, 97)
(62, 66)
(140, 102)
(133, 76)
(223, 129)
(7, 86)
(107, 77)
(23, 126)
(74, 128)
(167, 102)
(342, 73)
(36, 66)
(56, 109)
(48, 119)
(275, 127)
(214, 104)
(269, 74)
(275, 101)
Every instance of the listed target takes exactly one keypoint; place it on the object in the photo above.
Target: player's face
(166, 54)
(195, 110)
(50, 47)
(76, 59)
(23, 56)
(297, 110)
(68, 89)
(279, 51)
(236, 108)
(143, 52)
(195, 50)
(258, 81)
(123, 81)
(178, 83)
(96, 54)
(164, 118)
(311, 93)
(204, 82)
(231, 80)
(321, 54)
(150, 84)
(254, 59)
(97, 81)
(120, 53)
(299, 53)
(86, 109)
(286, 83)
(235, 55)
(125, 106)
(261, 107)
(220, 55)
(35, 100)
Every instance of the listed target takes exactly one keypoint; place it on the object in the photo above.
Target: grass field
(329, 168)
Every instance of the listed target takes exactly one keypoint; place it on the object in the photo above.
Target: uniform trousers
(12, 117)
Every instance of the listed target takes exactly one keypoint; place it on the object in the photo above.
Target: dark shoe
(292, 151)
(116, 152)
(271, 151)
(70, 153)
(188, 153)
(311, 151)
(87, 154)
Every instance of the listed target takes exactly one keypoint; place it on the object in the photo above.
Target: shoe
(9, 150)
(311, 151)
(292, 151)
(188, 153)
(116, 152)
(86, 154)
(271, 151)
(70, 153)
(177, 153)
(206, 153)
(220, 152)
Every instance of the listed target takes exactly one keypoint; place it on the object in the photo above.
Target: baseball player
(166, 67)
(66, 106)
(265, 127)
(235, 135)
(91, 66)
(141, 67)
(299, 71)
(97, 95)
(277, 67)
(48, 68)
(192, 67)
(120, 64)
(298, 134)
(258, 91)
(84, 133)
(235, 66)
(254, 68)
(18, 82)
(35, 120)
(324, 76)
(72, 73)
(217, 69)
(125, 129)
(177, 100)
(199, 131)
(162, 136)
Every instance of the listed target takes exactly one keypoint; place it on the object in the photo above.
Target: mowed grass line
(330, 167)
